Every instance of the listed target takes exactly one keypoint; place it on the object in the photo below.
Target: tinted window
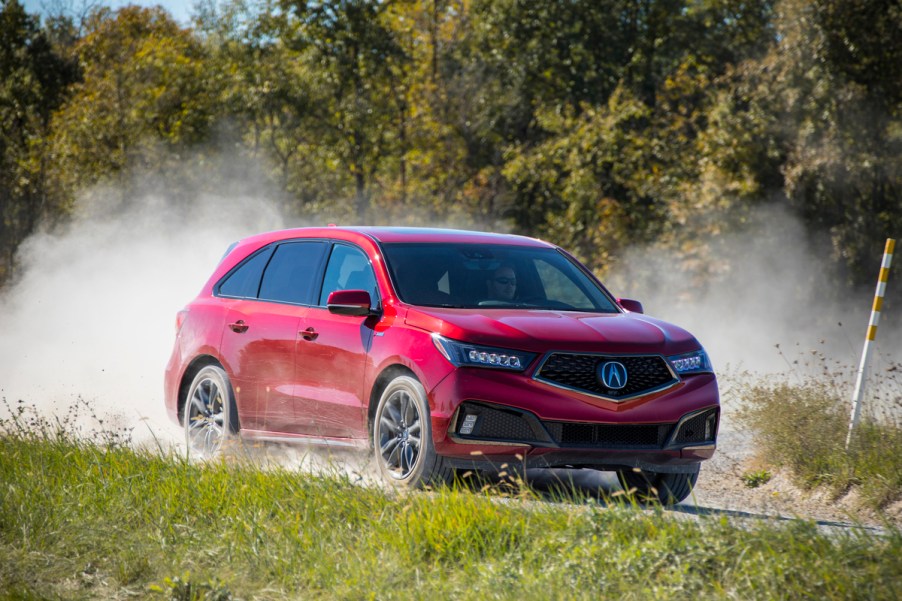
(291, 274)
(560, 285)
(349, 269)
(486, 276)
(244, 282)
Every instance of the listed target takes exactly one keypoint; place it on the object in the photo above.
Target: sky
(180, 9)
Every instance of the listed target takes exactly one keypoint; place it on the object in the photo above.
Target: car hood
(542, 330)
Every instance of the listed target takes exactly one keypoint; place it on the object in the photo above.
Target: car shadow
(592, 487)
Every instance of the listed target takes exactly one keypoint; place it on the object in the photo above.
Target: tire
(402, 438)
(210, 416)
(668, 489)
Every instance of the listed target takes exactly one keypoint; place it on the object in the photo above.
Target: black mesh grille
(644, 373)
(609, 435)
(495, 424)
(510, 425)
(700, 428)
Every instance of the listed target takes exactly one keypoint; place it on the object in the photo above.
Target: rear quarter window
(244, 280)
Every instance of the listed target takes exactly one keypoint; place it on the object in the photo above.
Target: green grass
(82, 519)
(802, 424)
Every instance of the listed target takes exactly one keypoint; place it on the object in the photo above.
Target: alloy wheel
(400, 434)
(205, 418)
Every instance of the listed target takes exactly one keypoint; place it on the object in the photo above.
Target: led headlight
(472, 355)
(691, 363)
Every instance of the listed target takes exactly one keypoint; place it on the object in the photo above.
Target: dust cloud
(772, 306)
(93, 315)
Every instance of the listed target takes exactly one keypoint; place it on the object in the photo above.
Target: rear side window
(244, 282)
(291, 274)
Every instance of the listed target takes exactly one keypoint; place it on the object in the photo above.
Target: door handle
(309, 334)
(239, 327)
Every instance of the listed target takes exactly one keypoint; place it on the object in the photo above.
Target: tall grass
(802, 421)
(85, 518)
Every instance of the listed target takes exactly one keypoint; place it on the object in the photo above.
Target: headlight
(691, 363)
(472, 355)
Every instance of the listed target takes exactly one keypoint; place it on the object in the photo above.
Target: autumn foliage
(596, 124)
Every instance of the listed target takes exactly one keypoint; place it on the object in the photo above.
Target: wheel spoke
(393, 413)
(388, 425)
(402, 459)
(208, 441)
(215, 398)
(408, 458)
(392, 461)
(409, 410)
(213, 439)
(389, 445)
(198, 403)
(204, 392)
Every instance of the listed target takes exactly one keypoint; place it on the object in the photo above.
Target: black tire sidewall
(669, 488)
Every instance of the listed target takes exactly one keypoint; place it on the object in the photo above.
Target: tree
(349, 52)
(815, 123)
(143, 101)
(33, 83)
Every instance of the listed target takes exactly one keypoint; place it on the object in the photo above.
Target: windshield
(468, 276)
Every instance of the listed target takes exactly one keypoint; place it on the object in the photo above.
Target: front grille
(609, 435)
(580, 372)
(701, 428)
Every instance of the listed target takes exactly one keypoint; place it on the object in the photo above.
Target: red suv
(440, 350)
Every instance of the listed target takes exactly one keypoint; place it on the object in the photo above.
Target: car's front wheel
(402, 437)
(210, 416)
(669, 489)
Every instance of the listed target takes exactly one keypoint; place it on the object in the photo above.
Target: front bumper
(483, 417)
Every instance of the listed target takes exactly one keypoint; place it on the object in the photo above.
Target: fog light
(469, 424)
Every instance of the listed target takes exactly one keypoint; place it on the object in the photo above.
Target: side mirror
(349, 302)
(633, 306)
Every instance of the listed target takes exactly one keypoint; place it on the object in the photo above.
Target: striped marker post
(872, 334)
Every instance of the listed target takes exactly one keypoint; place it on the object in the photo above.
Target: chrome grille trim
(674, 379)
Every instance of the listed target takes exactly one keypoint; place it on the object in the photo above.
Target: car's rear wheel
(402, 437)
(210, 416)
(669, 489)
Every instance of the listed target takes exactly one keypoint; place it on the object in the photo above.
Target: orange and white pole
(871, 336)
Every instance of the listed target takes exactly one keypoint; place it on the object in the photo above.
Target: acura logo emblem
(612, 374)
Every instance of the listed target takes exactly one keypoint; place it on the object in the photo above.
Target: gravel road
(722, 491)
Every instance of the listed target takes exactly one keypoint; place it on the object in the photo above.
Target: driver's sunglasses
(506, 281)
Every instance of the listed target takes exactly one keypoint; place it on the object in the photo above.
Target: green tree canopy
(33, 82)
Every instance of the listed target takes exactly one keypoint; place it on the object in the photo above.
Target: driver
(502, 285)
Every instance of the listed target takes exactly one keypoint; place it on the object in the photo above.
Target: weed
(802, 421)
(184, 589)
(754, 479)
